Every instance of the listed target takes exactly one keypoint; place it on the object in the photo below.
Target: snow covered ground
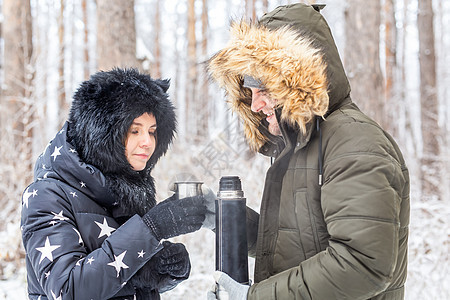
(429, 269)
(429, 243)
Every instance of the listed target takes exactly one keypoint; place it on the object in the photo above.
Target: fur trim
(134, 195)
(289, 66)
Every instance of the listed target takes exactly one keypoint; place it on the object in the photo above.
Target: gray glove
(210, 202)
(234, 289)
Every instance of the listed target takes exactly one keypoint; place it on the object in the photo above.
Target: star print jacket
(70, 237)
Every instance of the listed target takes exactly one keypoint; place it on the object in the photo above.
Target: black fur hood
(102, 111)
(104, 108)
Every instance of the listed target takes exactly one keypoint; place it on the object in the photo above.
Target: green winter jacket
(335, 209)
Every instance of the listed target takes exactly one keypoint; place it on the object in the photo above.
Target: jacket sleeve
(57, 253)
(361, 201)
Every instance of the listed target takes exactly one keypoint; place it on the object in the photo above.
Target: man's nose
(257, 103)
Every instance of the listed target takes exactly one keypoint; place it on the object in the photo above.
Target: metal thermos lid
(230, 188)
(230, 183)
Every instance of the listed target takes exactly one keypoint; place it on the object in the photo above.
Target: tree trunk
(85, 40)
(176, 86)
(16, 113)
(265, 6)
(191, 82)
(116, 34)
(429, 102)
(249, 9)
(405, 131)
(1, 51)
(202, 102)
(156, 72)
(63, 106)
(392, 103)
(362, 56)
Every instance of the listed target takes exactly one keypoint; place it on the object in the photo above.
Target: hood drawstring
(320, 151)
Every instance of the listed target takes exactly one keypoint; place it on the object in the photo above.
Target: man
(335, 209)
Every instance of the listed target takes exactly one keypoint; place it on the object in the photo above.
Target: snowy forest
(395, 52)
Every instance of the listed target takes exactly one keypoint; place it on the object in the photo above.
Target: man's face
(262, 102)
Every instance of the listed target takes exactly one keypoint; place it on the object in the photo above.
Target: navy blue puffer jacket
(69, 236)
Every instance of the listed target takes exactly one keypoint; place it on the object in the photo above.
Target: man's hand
(235, 290)
(210, 202)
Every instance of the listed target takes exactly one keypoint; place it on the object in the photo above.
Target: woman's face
(141, 141)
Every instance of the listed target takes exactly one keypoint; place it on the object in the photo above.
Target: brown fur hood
(288, 51)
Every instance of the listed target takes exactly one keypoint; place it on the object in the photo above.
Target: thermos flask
(231, 230)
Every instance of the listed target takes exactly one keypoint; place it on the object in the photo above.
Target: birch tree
(86, 57)
(63, 106)
(16, 113)
(116, 34)
(202, 103)
(391, 108)
(191, 82)
(430, 162)
(362, 56)
(156, 70)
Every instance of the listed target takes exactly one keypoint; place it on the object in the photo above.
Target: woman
(90, 224)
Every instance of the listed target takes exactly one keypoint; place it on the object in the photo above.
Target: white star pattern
(59, 216)
(141, 254)
(56, 298)
(80, 240)
(79, 261)
(82, 184)
(27, 195)
(46, 251)
(61, 131)
(56, 153)
(118, 262)
(52, 223)
(71, 150)
(90, 260)
(105, 228)
(47, 274)
(74, 194)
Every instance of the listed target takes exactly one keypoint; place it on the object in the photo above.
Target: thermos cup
(185, 189)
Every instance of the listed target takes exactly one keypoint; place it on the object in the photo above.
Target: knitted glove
(176, 217)
(232, 288)
(165, 270)
(174, 260)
